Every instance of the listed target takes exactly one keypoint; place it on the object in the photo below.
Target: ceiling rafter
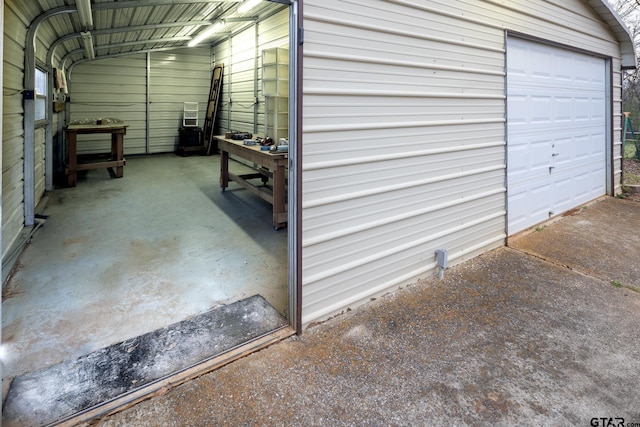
(195, 14)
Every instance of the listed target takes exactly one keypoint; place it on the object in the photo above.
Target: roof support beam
(143, 42)
(148, 3)
(67, 37)
(115, 55)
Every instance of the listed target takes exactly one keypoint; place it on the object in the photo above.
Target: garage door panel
(582, 148)
(563, 108)
(575, 110)
(575, 186)
(545, 65)
(598, 181)
(579, 151)
(541, 108)
(563, 195)
(556, 156)
(582, 109)
(570, 191)
(517, 110)
(529, 204)
(528, 159)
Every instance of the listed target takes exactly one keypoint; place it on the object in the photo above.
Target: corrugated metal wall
(57, 135)
(39, 166)
(242, 82)
(222, 55)
(176, 77)
(15, 32)
(241, 101)
(111, 88)
(117, 88)
(404, 135)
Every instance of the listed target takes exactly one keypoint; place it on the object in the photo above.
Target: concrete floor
(117, 258)
(538, 334)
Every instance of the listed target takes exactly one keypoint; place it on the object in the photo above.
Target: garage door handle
(555, 154)
(551, 168)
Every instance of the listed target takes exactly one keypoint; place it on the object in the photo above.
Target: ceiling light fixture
(87, 42)
(206, 33)
(84, 14)
(248, 5)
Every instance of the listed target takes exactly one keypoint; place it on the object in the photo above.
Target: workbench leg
(278, 195)
(117, 151)
(224, 169)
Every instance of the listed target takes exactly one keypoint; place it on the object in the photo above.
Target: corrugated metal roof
(132, 26)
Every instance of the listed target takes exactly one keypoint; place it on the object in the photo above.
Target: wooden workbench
(114, 160)
(268, 165)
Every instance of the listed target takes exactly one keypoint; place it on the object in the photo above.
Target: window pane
(41, 82)
(41, 94)
(41, 108)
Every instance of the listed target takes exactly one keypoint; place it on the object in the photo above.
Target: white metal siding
(111, 88)
(57, 136)
(39, 171)
(616, 96)
(404, 135)
(242, 77)
(242, 82)
(222, 55)
(117, 88)
(176, 77)
(15, 32)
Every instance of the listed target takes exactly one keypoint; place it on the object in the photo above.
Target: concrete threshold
(164, 385)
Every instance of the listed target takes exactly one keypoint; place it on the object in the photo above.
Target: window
(41, 94)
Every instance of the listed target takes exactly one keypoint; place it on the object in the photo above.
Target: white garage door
(556, 131)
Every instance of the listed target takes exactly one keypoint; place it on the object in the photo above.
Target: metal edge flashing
(299, 44)
(609, 130)
(506, 142)
(620, 29)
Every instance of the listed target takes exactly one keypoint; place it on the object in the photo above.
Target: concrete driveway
(545, 332)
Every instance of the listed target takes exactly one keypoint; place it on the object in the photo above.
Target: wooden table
(267, 166)
(115, 158)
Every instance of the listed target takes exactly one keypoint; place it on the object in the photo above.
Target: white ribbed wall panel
(241, 73)
(111, 88)
(39, 171)
(273, 33)
(404, 135)
(242, 81)
(116, 87)
(15, 32)
(221, 53)
(176, 77)
(44, 34)
(617, 124)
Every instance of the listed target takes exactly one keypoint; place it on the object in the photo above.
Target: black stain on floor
(50, 394)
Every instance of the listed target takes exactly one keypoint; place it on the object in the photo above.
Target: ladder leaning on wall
(629, 135)
(212, 107)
